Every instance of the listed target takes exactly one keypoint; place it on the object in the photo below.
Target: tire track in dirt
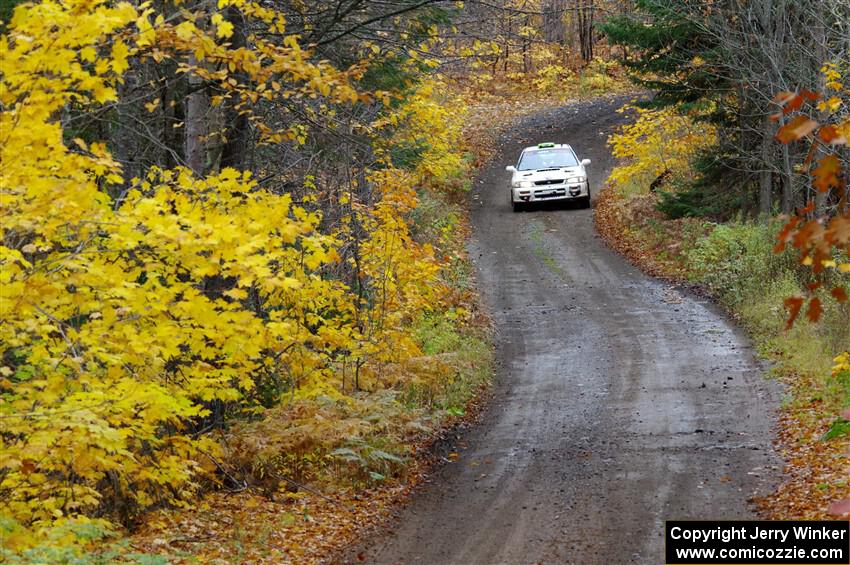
(619, 402)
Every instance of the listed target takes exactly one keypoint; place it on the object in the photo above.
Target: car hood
(549, 174)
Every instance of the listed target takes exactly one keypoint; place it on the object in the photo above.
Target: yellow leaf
(186, 30)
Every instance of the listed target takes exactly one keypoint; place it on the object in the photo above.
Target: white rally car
(547, 172)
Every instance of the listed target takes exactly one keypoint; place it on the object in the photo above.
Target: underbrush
(550, 79)
(363, 439)
(735, 262)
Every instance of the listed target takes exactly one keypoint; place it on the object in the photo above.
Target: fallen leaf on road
(840, 507)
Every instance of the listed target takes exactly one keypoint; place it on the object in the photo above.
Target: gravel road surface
(620, 401)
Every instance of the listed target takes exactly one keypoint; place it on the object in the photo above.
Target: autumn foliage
(660, 145)
(823, 240)
(139, 313)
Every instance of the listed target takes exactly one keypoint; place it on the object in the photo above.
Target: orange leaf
(784, 235)
(789, 101)
(809, 95)
(827, 174)
(821, 256)
(815, 310)
(793, 304)
(839, 293)
(829, 135)
(797, 128)
(784, 98)
(838, 230)
(811, 232)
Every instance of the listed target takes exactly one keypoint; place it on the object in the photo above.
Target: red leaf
(784, 97)
(840, 295)
(811, 232)
(815, 310)
(784, 236)
(793, 304)
(809, 95)
(827, 174)
(789, 101)
(840, 507)
(799, 127)
(829, 135)
(821, 255)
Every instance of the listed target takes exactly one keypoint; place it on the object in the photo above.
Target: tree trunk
(508, 43)
(821, 55)
(526, 56)
(584, 11)
(766, 175)
(553, 21)
(236, 126)
(196, 115)
(788, 179)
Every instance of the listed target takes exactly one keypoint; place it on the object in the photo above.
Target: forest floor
(620, 401)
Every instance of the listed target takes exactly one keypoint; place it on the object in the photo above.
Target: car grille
(550, 181)
(560, 192)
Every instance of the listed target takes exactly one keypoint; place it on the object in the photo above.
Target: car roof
(543, 146)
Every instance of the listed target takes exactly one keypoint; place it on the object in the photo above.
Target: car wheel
(517, 206)
(585, 202)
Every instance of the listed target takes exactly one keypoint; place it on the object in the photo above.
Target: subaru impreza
(548, 172)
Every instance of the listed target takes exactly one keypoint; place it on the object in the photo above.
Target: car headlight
(576, 179)
(521, 184)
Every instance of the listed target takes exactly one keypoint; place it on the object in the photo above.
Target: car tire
(517, 206)
(585, 202)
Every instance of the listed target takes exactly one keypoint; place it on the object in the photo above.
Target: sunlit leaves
(658, 141)
(125, 319)
(121, 320)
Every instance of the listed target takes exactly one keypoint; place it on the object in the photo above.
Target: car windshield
(547, 159)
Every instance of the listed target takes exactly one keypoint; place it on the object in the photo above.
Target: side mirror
(510, 169)
(585, 162)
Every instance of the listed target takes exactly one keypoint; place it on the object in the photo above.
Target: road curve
(620, 402)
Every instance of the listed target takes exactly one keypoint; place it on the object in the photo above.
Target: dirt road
(620, 402)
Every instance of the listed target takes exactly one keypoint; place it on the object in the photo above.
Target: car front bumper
(548, 193)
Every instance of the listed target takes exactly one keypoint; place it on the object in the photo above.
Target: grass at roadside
(735, 263)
